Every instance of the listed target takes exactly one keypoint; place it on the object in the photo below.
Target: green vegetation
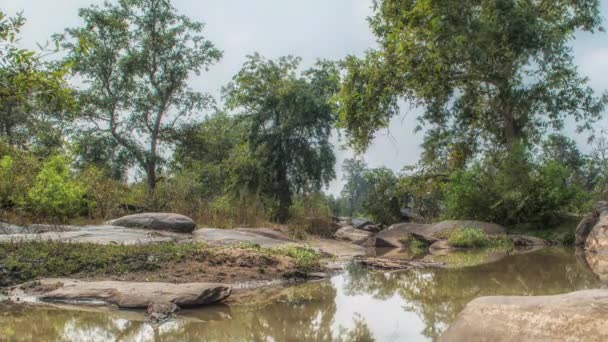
(24, 261)
(475, 238)
(304, 257)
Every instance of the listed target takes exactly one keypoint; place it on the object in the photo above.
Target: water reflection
(358, 305)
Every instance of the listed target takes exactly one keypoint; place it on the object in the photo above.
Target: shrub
(55, 193)
(104, 195)
(16, 178)
(468, 238)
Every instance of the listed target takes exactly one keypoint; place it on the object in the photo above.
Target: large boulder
(264, 237)
(156, 221)
(597, 240)
(588, 222)
(122, 294)
(576, 316)
(356, 236)
(397, 235)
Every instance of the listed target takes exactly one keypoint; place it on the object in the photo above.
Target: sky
(311, 29)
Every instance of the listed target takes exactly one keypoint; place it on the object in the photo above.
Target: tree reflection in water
(308, 312)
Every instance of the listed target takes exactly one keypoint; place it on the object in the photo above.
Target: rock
(317, 275)
(429, 240)
(125, 294)
(360, 223)
(450, 225)
(160, 312)
(372, 228)
(597, 240)
(410, 215)
(356, 236)
(396, 235)
(576, 316)
(264, 237)
(7, 228)
(527, 241)
(395, 264)
(597, 263)
(588, 222)
(341, 250)
(156, 221)
(104, 235)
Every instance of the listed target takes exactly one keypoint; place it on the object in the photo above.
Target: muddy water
(358, 305)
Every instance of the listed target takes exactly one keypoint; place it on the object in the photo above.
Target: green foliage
(357, 186)
(304, 257)
(310, 215)
(493, 71)
(468, 238)
(36, 105)
(135, 59)
(103, 194)
(55, 193)
(511, 190)
(289, 118)
(382, 202)
(23, 261)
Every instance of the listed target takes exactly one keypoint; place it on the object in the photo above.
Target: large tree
(135, 59)
(35, 101)
(356, 188)
(493, 72)
(290, 119)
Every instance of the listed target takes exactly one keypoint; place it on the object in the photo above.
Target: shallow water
(357, 305)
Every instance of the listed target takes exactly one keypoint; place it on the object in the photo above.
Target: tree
(357, 187)
(135, 59)
(289, 118)
(35, 101)
(499, 72)
(382, 202)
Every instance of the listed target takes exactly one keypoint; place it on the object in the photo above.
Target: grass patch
(304, 257)
(475, 238)
(418, 246)
(23, 261)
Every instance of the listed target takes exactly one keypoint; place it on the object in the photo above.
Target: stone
(125, 294)
(395, 264)
(264, 237)
(597, 240)
(576, 316)
(527, 241)
(103, 235)
(586, 225)
(396, 235)
(356, 236)
(160, 312)
(359, 223)
(156, 221)
(441, 245)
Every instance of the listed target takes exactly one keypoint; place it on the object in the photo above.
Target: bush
(55, 194)
(310, 215)
(468, 238)
(17, 175)
(104, 195)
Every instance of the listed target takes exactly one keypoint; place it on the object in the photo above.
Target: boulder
(441, 245)
(265, 237)
(597, 240)
(588, 222)
(160, 312)
(156, 221)
(450, 225)
(123, 294)
(527, 241)
(576, 316)
(356, 236)
(360, 223)
(397, 235)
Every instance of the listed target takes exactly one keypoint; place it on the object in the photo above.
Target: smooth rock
(597, 240)
(576, 316)
(156, 221)
(259, 236)
(356, 236)
(124, 294)
(100, 235)
(7, 228)
(359, 223)
(588, 222)
(441, 245)
(396, 235)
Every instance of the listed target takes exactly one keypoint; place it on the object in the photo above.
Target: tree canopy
(289, 120)
(498, 72)
(135, 59)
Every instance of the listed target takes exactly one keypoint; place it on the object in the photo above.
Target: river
(356, 305)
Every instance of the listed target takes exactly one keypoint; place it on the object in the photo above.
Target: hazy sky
(311, 29)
